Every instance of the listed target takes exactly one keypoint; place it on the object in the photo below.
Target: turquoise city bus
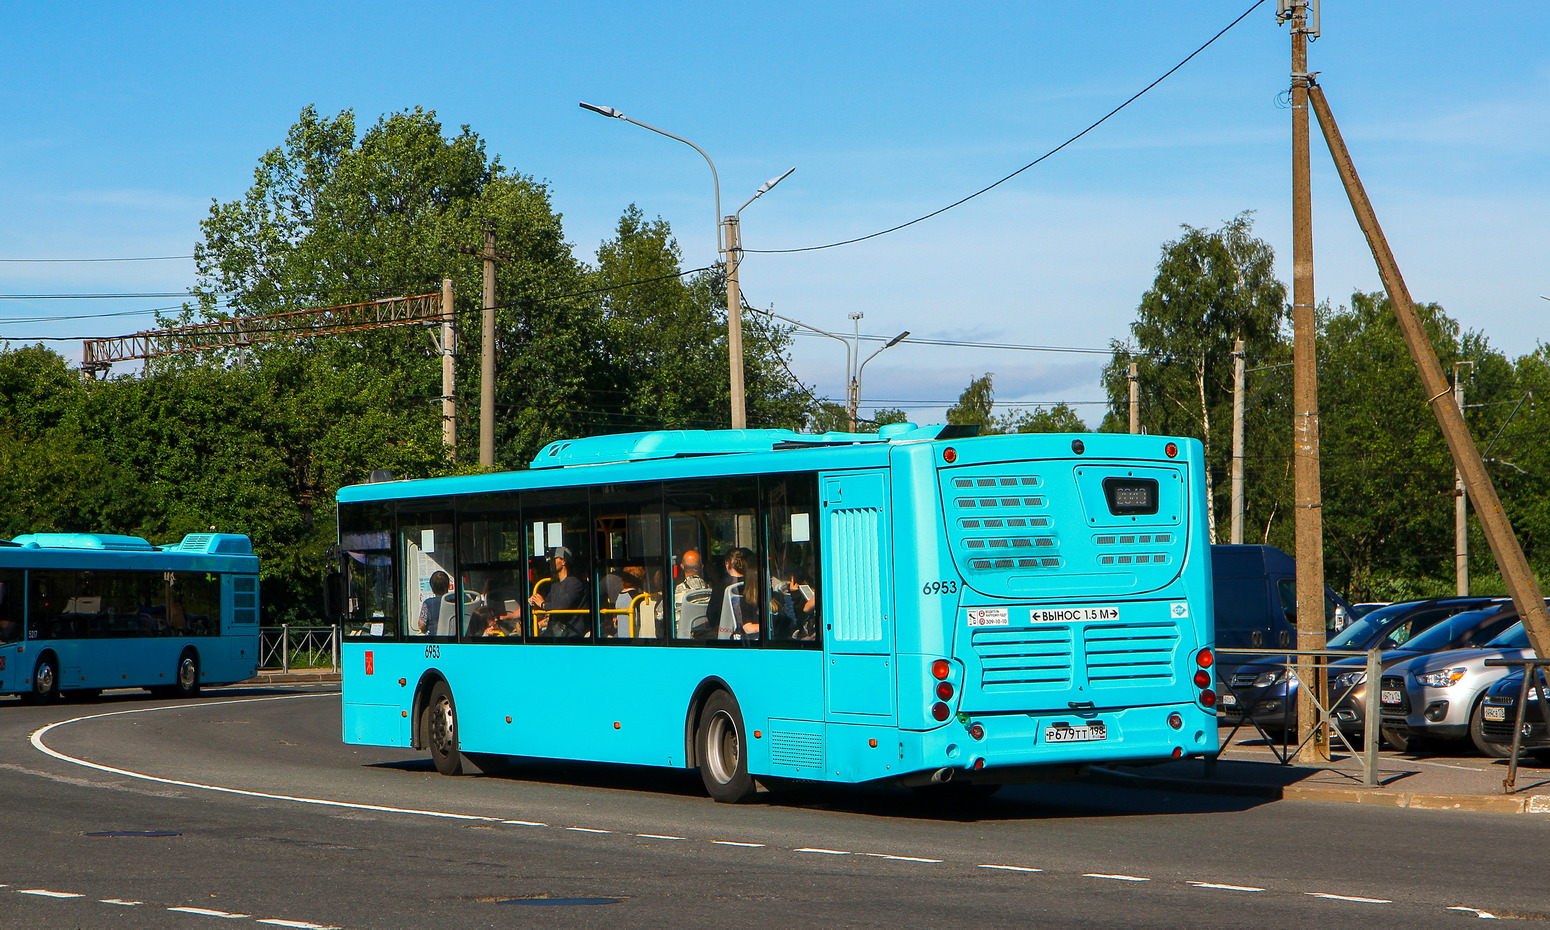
(917, 606)
(80, 612)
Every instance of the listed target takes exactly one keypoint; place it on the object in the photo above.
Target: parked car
(1254, 589)
(1365, 608)
(1498, 720)
(1467, 629)
(1437, 696)
(1267, 688)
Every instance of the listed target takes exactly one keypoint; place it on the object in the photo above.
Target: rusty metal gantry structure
(98, 354)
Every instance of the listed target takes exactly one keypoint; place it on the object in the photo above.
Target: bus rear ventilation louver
(1024, 481)
(1132, 540)
(994, 564)
(1144, 558)
(990, 503)
(1012, 542)
(1002, 523)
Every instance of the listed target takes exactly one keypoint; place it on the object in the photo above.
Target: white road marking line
(37, 742)
(1011, 868)
(730, 843)
(525, 823)
(206, 912)
(1346, 897)
(45, 893)
(900, 858)
(119, 902)
(300, 924)
(1117, 878)
(588, 830)
(823, 852)
(659, 836)
(1483, 915)
(1223, 887)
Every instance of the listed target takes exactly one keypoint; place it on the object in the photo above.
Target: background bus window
(717, 520)
(11, 615)
(494, 591)
(631, 565)
(428, 566)
(366, 546)
(70, 604)
(559, 571)
(791, 528)
(194, 604)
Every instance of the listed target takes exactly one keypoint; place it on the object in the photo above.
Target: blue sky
(123, 122)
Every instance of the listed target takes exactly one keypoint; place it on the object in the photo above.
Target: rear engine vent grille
(1022, 659)
(1121, 654)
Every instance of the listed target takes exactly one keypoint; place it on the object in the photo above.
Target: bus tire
(45, 680)
(723, 750)
(441, 735)
(185, 683)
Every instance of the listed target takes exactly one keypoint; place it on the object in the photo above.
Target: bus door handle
(1083, 708)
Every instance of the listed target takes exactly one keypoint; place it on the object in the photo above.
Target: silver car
(1436, 696)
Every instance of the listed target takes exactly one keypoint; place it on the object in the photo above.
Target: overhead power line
(162, 296)
(143, 258)
(990, 187)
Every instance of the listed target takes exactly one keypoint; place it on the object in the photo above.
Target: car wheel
(1400, 740)
(1488, 748)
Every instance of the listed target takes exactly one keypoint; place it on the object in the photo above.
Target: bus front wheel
(441, 731)
(45, 681)
(722, 750)
(186, 684)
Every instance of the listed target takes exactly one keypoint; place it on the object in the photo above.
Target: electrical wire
(148, 258)
(988, 188)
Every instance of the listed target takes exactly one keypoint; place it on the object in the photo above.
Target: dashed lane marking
(525, 823)
(299, 924)
(1346, 897)
(1223, 887)
(900, 858)
(1483, 915)
(822, 852)
(588, 830)
(120, 902)
(1117, 878)
(45, 893)
(734, 843)
(1011, 868)
(206, 912)
(659, 836)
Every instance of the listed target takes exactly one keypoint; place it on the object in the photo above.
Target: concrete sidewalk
(1460, 781)
(296, 676)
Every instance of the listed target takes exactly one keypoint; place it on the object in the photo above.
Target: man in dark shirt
(565, 593)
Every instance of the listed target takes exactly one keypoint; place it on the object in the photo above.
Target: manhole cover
(135, 833)
(557, 902)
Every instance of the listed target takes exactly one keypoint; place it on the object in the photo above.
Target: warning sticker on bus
(1071, 614)
(988, 616)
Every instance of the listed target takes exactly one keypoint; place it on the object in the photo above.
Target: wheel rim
(723, 747)
(43, 681)
(188, 673)
(443, 728)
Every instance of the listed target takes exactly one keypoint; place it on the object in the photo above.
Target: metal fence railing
(1306, 666)
(286, 647)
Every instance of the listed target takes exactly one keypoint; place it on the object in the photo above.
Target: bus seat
(691, 613)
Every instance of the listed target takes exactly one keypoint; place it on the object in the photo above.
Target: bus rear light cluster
(1205, 658)
(943, 689)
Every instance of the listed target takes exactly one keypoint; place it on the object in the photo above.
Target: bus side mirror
(333, 594)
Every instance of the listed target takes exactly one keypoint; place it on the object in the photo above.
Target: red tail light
(944, 690)
(941, 711)
(949, 455)
(1208, 698)
(977, 731)
(1175, 721)
(1171, 450)
(1202, 679)
(940, 669)
(1204, 658)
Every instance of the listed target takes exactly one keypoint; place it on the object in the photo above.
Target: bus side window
(632, 568)
(791, 531)
(715, 520)
(560, 581)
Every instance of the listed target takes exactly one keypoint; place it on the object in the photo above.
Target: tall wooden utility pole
(487, 355)
(448, 371)
(1461, 500)
(1135, 398)
(734, 258)
(1520, 580)
(1239, 375)
(1305, 399)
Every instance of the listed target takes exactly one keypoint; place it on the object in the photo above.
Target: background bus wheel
(45, 680)
(186, 684)
(722, 750)
(441, 731)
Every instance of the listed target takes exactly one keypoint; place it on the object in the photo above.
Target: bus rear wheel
(441, 731)
(45, 680)
(186, 683)
(722, 750)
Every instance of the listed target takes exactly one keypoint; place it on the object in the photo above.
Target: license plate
(1229, 700)
(1494, 713)
(1093, 731)
(1392, 697)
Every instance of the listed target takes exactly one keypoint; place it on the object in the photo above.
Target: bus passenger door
(857, 597)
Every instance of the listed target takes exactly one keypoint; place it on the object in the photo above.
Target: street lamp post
(862, 367)
(852, 375)
(729, 245)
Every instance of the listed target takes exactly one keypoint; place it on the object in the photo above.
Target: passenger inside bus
(563, 599)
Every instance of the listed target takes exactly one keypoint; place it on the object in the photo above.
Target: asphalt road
(307, 832)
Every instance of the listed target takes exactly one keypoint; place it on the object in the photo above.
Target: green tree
(1059, 418)
(975, 403)
(1212, 287)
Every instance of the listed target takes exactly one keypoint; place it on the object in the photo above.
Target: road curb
(1487, 804)
(293, 678)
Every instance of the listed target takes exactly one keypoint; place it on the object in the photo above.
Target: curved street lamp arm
(715, 178)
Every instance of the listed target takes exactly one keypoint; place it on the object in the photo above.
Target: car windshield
(1516, 637)
(1365, 628)
(1441, 636)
